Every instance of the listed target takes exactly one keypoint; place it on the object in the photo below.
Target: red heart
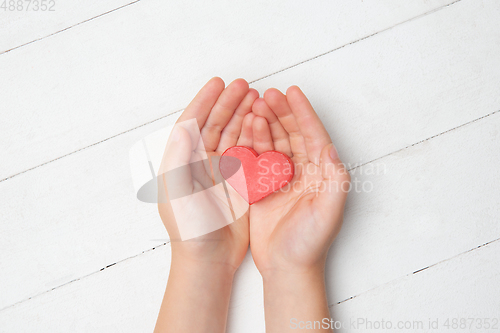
(255, 176)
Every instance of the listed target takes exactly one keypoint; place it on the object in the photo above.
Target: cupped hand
(194, 198)
(292, 229)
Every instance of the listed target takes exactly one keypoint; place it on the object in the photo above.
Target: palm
(233, 238)
(293, 227)
(285, 223)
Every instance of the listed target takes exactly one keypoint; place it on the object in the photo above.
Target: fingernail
(333, 152)
(176, 135)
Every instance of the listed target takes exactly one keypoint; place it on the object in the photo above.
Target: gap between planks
(177, 111)
(417, 271)
(136, 1)
(84, 276)
(359, 40)
(94, 144)
(71, 26)
(424, 140)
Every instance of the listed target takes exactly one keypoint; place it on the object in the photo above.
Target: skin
(289, 232)
(201, 273)
(292, 230)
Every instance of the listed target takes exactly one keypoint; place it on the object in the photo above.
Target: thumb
(336, 184)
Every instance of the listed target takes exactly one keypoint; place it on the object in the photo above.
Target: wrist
(296, 272)
(189, 268)
(199, 290)
(221, 254)
(291, 297)
(294, 280)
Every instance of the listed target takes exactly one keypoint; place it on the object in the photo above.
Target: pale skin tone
(289, 232)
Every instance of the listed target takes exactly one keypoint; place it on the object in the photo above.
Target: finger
(335, 186)
(222, 112)
(203, 102)
(262, 140)
(315, 135)
(280, 137)
(246, 136)
(279, 105)
(230, 134)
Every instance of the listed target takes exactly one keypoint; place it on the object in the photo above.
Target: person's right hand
(292, 229)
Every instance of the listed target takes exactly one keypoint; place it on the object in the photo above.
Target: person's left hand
(195, 199)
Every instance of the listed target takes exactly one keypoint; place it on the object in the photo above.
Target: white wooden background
(408, 88)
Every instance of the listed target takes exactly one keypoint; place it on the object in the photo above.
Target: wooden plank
(463, 287)
(25, 22)
(147, 60)
(78, 214)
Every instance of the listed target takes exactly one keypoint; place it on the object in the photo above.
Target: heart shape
(255, 176)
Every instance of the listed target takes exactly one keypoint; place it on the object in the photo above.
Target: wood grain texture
(68, 219)
(146, 60)
(53, 204)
